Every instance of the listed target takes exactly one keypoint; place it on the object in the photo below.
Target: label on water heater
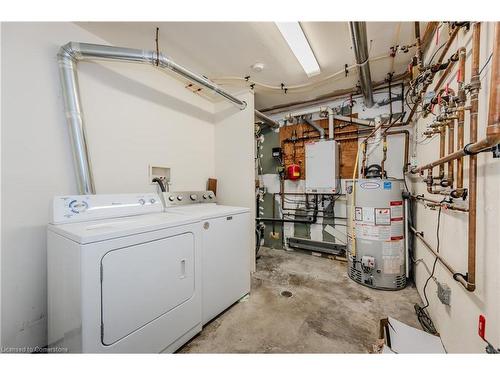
(358, 214)
(368, 215)
(382, 216)
(397, 228)
(396, 209)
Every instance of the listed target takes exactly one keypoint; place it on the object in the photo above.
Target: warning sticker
(366, 232)
(397, 228)
(392, 264)
(358, 214)
(382, 216)
(397, 209)
(384, 233)
(394, 248)
(373, 232)
(368, 215)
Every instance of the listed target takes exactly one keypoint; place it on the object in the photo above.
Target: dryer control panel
(178, 198)
(73, 208)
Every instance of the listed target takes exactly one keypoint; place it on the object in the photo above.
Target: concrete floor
(327, 312)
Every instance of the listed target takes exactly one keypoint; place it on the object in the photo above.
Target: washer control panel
(73, 208)
(177, 198)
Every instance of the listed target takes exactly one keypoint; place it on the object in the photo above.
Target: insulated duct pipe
(318, 128)
(360, 46)
(268, 120)
(70, 54)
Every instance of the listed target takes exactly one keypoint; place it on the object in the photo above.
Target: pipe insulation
(68, 57)
(360, 47)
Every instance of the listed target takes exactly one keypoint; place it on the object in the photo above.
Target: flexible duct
(360, 46)
(69, 55)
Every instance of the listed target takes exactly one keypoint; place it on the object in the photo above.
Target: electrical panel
(322, 167)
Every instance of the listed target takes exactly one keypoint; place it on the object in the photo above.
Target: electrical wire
(422, 316)
(486, 63)
(297, 87)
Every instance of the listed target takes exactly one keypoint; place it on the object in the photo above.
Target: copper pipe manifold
(471, 150)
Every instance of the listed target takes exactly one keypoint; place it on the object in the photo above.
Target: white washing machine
(226, 247)
(122, 276)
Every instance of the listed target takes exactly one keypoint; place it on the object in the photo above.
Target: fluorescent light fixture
(294, 36)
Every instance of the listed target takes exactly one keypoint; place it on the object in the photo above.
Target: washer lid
(100, 230)
(208, 210)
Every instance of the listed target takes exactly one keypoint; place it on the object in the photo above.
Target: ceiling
(229, 49)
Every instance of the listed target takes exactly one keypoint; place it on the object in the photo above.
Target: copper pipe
(365, 143)
(451, 149)
(442, 144)
(452, 37)
(428, 34)
(474, 101)
(445, 74)
(446, 205)
(492, 138)
(461, 115)
(419, 46)
(434, 252)
(440, 60)
(493, 129)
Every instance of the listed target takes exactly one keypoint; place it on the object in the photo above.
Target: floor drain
(286, 294)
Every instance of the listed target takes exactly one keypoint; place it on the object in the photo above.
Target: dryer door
(143, 282)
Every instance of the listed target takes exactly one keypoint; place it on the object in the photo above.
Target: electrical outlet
(444, 293)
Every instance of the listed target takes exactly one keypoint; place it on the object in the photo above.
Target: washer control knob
(179, 198)
(211, 196)
(205, 196)
(193, 197)
(171, 198)
(142, 202)
(152, 201)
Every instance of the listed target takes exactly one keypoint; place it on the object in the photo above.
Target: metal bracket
(496, 151)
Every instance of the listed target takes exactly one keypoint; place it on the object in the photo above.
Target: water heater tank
(376, 233)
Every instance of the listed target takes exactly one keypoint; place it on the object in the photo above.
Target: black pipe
(275, 220)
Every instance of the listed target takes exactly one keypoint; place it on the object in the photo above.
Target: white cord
(299, 86)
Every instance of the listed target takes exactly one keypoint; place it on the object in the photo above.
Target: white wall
(235, 156)
(135, 116)
(457, 323)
